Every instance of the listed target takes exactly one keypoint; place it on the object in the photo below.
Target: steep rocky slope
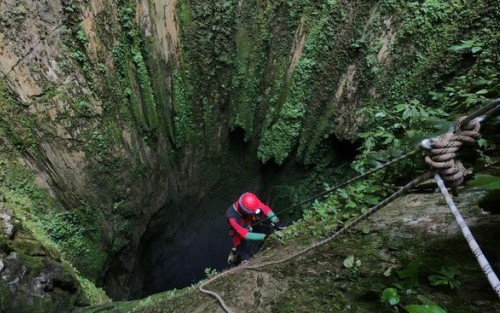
(415, 235)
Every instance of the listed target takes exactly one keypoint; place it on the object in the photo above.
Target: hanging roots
(443, 150)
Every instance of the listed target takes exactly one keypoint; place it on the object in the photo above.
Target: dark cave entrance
(178, 247)
(187, 237)
(178, 259)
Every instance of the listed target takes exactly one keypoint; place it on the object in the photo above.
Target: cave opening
(178, 256)
(187, 238)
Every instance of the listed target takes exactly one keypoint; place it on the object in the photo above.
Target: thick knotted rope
(443, 150)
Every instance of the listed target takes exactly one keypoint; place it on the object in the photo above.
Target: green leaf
(350, 204)
(410, 274)
(349, 261)
(371, 200)
(426, 300)
(482, 143)
(424, 308)
(488, 182)
(390, 295)
(476, 49)
(400, 107)
(388, 273)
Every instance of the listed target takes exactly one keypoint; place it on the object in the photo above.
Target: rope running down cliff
(454, 178)
(349, 226)
(476, 250)
(441, 157)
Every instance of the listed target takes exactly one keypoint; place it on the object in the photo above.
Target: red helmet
(249, 203)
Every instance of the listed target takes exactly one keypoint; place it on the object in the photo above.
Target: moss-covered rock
(34, 278)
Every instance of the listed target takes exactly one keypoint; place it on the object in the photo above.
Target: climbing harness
(443, 150)
(476, 250)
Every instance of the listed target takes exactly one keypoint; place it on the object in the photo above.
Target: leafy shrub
(447, 276)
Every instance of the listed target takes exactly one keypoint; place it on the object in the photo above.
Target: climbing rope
(349, 226)
(214, 294)
(443, 150)
(350, 181)
(476, 250)
(441, 158)
(488, 110)
(353, 223)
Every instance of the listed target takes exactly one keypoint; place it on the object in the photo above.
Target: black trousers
(244, 250)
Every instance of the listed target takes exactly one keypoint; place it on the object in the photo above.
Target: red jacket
(238, 222)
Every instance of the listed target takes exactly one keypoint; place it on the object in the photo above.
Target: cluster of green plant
(210, 272)
(336, 209)
(74, 232)
(204, 83)
(438, 75)
(391, 297)
(351, 263)
(132, 73)
(18, 128)
(428, 41)
(485, 181)
(183, 114)
(287, 129)
(397, 130)
(408, 284)
(76, 42)
(447, 276)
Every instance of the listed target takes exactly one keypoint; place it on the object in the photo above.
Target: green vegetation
(55, 232)
(447, 276)
(75, 232)
(295, 77)
(391, 297)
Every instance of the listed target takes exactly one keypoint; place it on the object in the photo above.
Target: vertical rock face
(125, 108)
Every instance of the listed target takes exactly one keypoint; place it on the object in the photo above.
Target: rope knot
(443, 150)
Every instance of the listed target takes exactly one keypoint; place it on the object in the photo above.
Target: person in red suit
(245, 218)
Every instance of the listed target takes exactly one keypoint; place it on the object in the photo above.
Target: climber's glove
(254, 236)
(273, 217)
